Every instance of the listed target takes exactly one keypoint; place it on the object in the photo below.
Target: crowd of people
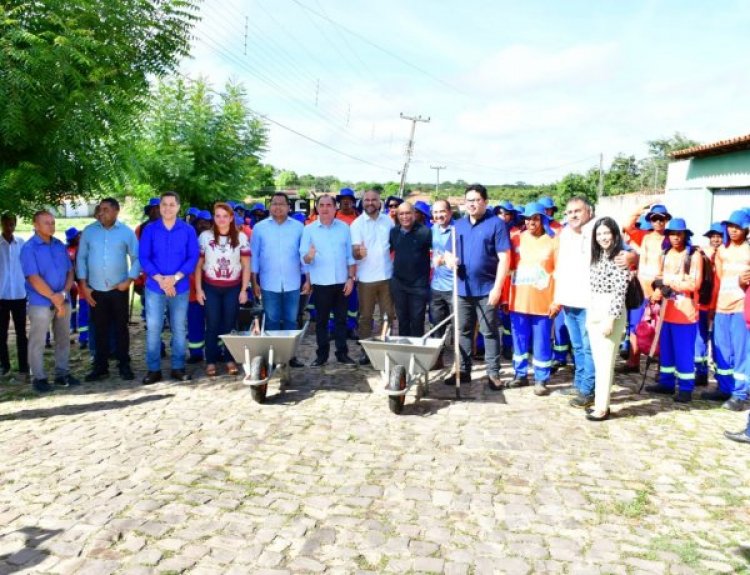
(525, 287)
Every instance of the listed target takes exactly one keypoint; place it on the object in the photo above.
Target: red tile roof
(720, 147)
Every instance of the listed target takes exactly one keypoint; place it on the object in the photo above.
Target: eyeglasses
(657, 219)
(392, 205)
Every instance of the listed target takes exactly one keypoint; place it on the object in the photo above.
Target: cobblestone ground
(195, 477)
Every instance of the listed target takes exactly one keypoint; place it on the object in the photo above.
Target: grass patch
(687, 551)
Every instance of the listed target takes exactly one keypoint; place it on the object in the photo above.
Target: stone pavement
(195, 477)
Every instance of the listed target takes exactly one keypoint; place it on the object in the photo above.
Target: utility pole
(600, 191)
(409, 149)
(437, 183)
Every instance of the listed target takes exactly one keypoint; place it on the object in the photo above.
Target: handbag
(634, 294)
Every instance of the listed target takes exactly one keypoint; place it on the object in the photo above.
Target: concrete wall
(621, 207)
(691, 185)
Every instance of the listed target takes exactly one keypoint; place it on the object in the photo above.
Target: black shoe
(518, 382)
(582, 400)
(294, 362)
(193, 359)
(41, 386)
(364, 359)
(66, 381)
(701, 379)
(740, 436)
(592, 417)
(95, 375)
(126, 374)
(318, 362)
(540, 388)
(660, 389)
(495, 383)
(625, 369)
(180, 375)
(715, 395)
(151, 377)
(683, 397)
(734, 404)
(345, 359)
(464, 377)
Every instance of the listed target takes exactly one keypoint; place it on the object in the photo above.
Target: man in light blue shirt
(276, 268)
(12, 296)
(326, 250)
(106, 265)
(441, 285)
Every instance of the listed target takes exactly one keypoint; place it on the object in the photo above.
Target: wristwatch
(178, 276)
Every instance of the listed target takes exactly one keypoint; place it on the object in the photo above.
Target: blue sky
(515, 91)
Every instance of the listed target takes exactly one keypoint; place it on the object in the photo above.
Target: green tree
(203, 145)
(654, 167)
(287, 179)
(623, 176)
(73, 75)
(576, 185)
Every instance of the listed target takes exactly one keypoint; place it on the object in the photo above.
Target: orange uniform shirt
(651, 254)
(347, 219)
(683, 309)
(731, 261)
(533, 265)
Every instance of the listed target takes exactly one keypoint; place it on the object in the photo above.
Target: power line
(380, 48)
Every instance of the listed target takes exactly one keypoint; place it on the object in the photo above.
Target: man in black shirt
(410, 284)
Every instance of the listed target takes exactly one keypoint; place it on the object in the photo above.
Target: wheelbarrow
(404, 361)
(264, 353)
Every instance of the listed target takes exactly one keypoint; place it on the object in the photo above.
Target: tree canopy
(206, 146)
(74, 76)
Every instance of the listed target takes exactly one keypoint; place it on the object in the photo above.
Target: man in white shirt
(370, 247)
(12, 296)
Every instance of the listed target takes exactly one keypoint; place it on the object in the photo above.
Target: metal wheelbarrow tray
(263, 354)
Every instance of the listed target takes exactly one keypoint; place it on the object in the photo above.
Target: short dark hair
(583, 200)
(617, 244)
(281, 195)
(170, 194)
(112, 202)
(375, 190)
(7, 216)
(477, 188)
(319, 198)
(41, 213)
(446, 202)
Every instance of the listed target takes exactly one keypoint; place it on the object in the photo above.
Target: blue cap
(231, 203)
(239, 221)
(507, 206)
(423, 207)
(299, 216)
(644, 224)
(716, 228)
(71, 233)
(238, 207)
(191, 211)
(259, 207)
(547, 203)
(345, 193)
(658, 210)
(204, 215)
(534, 209)
(738, 218)
(677, 225)
(151, 203)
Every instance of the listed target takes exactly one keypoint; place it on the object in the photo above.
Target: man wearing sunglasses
(652, 248)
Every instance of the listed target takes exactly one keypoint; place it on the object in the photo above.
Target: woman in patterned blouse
(605, 319)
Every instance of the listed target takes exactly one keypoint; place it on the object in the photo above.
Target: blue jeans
(281, 309)
(177, 307)
(575, 321)
(222, 307)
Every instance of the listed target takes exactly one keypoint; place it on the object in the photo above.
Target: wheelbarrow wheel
(258, 371)
(397, 382)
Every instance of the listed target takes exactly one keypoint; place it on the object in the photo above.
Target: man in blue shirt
(168, 255)
(326, 250)
(441, 286)
(12, 297)
(483, 256)
(276, 269)
(49, 277)
(106, 265)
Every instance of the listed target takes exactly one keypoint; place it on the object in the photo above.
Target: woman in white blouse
(605, 318)
(221, 278)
